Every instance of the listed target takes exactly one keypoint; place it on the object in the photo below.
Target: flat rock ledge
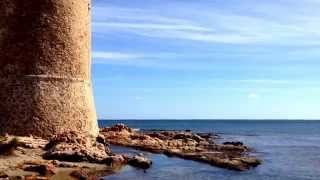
(184, 144)
(68, 156)
(72, 155)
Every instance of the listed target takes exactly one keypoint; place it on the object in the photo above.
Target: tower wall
(45, 83)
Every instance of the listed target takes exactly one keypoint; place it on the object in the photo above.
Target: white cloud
(247, 24)
(284, 23)
(138, 98)
(149, 26)
(253, 96)
(103, 55)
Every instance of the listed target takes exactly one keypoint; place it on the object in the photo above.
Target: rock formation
(45, 83)
(187, 145)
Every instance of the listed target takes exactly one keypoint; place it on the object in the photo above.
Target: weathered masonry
(45, 83)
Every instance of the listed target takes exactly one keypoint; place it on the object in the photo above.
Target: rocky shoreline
(74, 156)
(184, 144)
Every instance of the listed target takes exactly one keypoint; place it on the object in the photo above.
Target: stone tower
(45, 82)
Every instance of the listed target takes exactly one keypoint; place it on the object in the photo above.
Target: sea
(290, 150)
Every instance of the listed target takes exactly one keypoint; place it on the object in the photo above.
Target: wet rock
(250, 161)
(118, 159)
(207, 135)
(239, 164)
(140, 162)
(235, 143)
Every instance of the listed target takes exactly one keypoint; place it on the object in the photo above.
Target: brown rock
(119, 159)
(7, 147)
(33, 177)
(32, 142)
(42, 169)
(81, 174)
(207, 135)
(64, 164)
(158, 135)
(3, 176)
(117, 128)
(188, 136)
(140, 162)
(102, 140)
(187, 145)
(76, 153)
(71, 137)
(76, 148)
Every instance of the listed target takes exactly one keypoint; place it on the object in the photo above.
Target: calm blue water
(290, 150)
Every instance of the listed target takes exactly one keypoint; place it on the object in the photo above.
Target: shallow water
(289, 150)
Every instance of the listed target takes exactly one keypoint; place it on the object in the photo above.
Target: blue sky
(207, 59)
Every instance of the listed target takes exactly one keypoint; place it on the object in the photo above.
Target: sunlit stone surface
(45, 83)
